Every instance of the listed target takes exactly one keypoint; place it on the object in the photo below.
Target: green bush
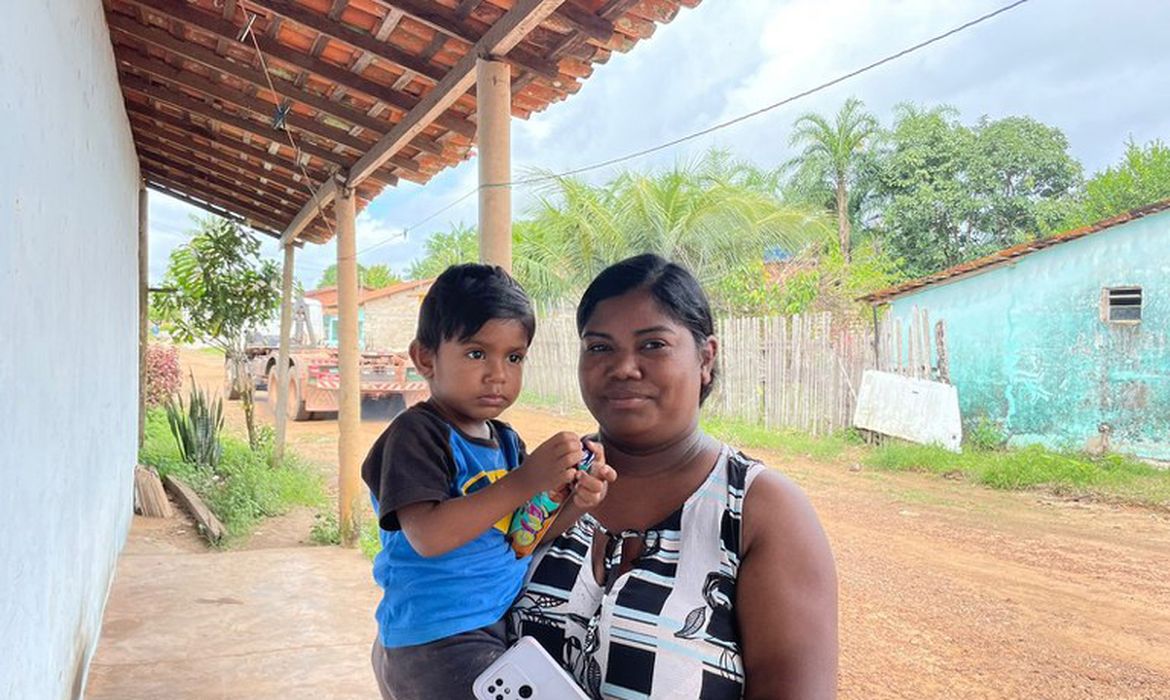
(985, 434)
(243, 489)
(325, 530)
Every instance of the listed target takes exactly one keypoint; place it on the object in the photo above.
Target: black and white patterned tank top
(667, 627)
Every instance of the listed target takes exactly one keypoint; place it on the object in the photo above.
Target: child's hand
(553, 464)
(594, 484)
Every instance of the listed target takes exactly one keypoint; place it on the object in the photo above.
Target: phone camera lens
(525, 691)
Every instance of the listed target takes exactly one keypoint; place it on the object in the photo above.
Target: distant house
(391, 314)
(1064, 340)
(387, 317)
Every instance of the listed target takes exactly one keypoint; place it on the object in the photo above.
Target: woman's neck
(669, 457)
(654, 482)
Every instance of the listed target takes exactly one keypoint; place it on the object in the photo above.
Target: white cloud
(1096, 70)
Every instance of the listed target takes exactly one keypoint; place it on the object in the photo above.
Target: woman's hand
(592, 485)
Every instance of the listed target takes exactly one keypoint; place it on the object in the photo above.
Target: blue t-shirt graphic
(422, 457)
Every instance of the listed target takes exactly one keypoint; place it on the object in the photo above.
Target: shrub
(244, 489)
(985, 435)
(196, 427)
(162, 374)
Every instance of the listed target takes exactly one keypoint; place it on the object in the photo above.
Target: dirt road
(947, 590)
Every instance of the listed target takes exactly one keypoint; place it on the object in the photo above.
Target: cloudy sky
(1097, 69)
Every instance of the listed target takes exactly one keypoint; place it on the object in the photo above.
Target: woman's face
(641, 371)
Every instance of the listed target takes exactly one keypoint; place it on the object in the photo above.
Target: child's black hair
(467, 296)
(673, 287)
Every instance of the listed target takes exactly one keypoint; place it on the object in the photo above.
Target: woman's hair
(673, 287)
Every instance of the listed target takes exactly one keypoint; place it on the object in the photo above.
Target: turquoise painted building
(1064, 339)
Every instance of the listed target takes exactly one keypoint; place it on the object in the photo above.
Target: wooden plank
(150, 500)
(208, 524)
(503, 35)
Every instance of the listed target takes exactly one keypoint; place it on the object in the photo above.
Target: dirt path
(947, 589)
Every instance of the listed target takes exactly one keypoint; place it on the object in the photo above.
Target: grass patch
(326, 532)
(243, 489)
(787, 442)
(541, 402)
(214, 352)
(369, 540)
(1112, 477)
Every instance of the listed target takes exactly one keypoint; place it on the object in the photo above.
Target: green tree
(1141, 177)
(711, 216)
(329, 276)
(372, 277)
(378, 277)
(221, 289)
(444, 249)
(949, 193)
(832, 154)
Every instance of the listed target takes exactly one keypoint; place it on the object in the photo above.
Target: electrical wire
(708, 130)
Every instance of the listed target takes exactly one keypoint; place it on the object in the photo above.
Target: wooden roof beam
(276, 185)
(243, 150)
(508, 31)
(442, 20)
(338, 75)
(224, 187)
(212, 204)
(239, 151)
(200, 108)
(210, 59)
(263, 109)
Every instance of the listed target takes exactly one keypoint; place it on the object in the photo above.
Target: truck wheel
(230, 391)
(296, 403)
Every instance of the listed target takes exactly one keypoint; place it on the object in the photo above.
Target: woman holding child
(694, 571)
(702, 574)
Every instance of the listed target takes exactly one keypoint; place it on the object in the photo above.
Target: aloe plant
(196, 426)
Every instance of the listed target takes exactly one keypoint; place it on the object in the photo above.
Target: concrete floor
(272, 623)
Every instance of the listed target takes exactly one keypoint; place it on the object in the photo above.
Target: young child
(445, 478)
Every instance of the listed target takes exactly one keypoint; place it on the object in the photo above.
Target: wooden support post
(143, 304)
(349, 399)
(286, 312)
(493, 85)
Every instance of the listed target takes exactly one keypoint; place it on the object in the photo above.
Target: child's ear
(423, 359)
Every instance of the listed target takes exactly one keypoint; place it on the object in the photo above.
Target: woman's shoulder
(774, 506)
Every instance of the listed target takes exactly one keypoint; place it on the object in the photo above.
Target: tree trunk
(245, 387)
(843, 229)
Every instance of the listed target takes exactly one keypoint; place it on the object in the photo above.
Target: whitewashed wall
(68, 338)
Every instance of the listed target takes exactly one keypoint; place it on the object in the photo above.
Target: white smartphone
(526, 672)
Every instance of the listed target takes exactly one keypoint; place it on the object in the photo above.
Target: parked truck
(314, 379)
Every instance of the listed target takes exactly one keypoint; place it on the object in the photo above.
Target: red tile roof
(1009, 254)
(328, 295)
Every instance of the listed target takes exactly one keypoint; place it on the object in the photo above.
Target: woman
(702, 574)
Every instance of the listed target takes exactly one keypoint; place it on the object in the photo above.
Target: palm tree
(836, 148)
(710, 215)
